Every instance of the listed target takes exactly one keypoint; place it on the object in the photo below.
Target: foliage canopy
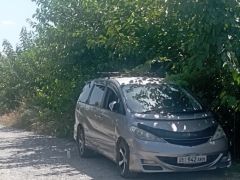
(194, 42)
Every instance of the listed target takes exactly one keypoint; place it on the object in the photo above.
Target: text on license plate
(192, 159)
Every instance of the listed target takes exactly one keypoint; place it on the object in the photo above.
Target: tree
(195, 42)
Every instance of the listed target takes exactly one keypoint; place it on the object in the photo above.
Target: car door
(109, 120)
(93, 126)
(81, 108)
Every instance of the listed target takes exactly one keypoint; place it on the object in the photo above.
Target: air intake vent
(188, 142)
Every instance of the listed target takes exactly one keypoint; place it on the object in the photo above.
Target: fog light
(226, 157)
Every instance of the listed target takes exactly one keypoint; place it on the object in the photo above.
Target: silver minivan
(148, 125)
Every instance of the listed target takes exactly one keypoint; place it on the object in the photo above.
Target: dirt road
(26, 156)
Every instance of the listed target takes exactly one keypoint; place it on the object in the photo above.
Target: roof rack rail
(123, 74)
(109, 74)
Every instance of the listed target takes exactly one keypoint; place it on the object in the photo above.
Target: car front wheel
(123, 160)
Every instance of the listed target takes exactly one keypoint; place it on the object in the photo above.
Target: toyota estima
(148, 125)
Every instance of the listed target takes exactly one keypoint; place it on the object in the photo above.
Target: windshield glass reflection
(160, 98)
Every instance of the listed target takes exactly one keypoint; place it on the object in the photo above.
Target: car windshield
(162, 98)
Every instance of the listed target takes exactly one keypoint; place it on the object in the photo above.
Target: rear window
(85, 93)
(97, 95)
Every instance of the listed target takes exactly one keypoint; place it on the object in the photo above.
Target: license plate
(192, 159)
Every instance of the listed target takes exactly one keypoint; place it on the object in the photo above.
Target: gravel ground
(27, 156)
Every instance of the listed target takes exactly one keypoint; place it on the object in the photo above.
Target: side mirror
(113, 106)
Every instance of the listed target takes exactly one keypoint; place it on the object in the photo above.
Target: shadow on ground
(46, 157)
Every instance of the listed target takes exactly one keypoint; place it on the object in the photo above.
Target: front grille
(188, 142)
(173, 161)
(182, 138)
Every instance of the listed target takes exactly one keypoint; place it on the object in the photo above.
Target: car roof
(137, 80)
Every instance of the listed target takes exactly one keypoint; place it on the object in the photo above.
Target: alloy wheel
(81, 142)
(122, 162)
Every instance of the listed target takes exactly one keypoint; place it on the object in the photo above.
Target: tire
(123, 157)
(82, 149)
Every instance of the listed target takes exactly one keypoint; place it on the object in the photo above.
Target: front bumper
(162, 157)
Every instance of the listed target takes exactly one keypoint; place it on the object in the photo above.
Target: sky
(13, 15)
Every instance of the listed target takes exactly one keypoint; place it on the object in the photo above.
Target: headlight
(218, 134)
(144, 135)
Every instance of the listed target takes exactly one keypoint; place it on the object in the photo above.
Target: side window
(109, 98)
(97, 95)
(85, 93)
